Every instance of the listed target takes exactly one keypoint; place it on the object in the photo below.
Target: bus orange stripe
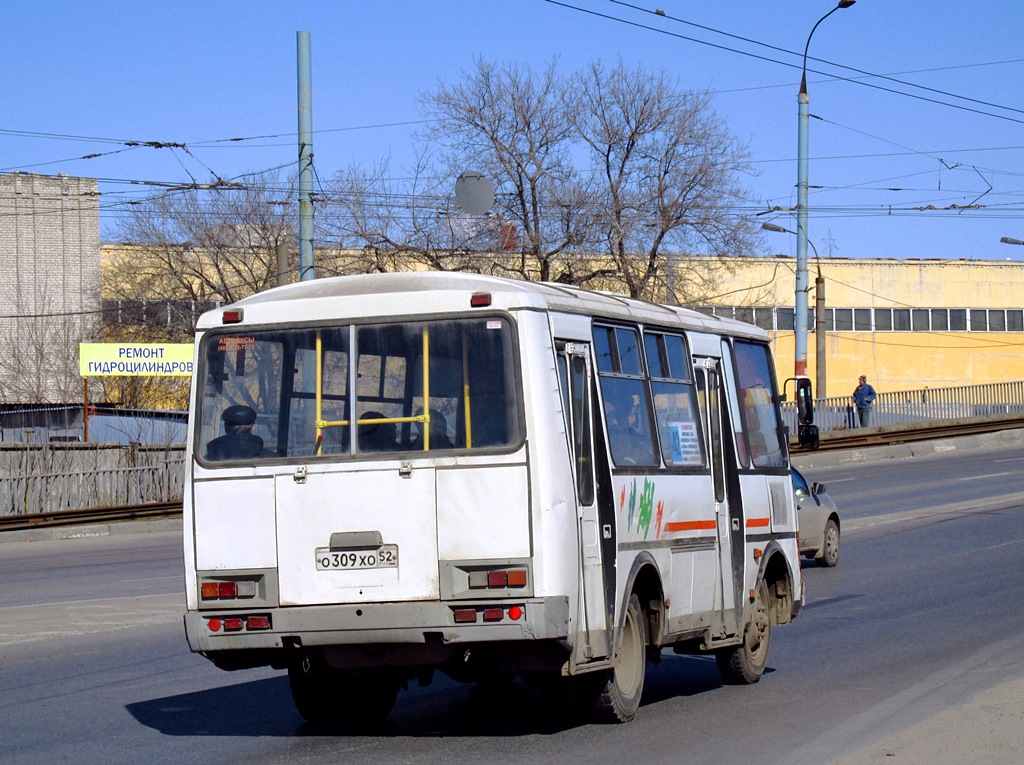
(690, 525)
(756, 522)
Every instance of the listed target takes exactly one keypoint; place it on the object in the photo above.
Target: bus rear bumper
(365, 624)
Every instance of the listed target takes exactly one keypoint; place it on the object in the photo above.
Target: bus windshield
(357, 389)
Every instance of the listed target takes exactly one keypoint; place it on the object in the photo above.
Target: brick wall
(49, 282)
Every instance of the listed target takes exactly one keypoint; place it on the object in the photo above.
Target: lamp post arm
(803, 76)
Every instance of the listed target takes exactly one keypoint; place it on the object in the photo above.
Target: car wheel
(829, 556)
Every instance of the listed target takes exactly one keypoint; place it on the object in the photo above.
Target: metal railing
(58, 492)
(911, 407)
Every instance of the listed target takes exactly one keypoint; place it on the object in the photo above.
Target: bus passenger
(377, 436)
(238, 441)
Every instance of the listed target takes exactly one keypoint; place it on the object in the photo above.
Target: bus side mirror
(804, 401)
(809, 436)
(807, 430)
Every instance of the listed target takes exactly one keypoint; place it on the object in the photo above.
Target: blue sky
(81, 78)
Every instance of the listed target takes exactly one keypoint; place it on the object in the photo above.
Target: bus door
(596, 532)
(728, 505)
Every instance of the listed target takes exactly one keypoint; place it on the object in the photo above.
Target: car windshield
(799, 484)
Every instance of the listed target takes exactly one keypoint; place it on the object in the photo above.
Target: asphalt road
(921, 615)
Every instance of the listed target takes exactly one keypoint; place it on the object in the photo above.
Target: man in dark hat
(863, 398)
(238, 441)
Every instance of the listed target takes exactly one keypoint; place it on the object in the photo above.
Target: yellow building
(906, 324)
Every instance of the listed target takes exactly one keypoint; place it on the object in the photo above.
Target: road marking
(41, 621)
(1011, 459)
(980, 477)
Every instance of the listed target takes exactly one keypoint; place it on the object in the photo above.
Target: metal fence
(54, 492)
(909, 407)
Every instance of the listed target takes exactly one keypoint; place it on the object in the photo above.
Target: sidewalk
(988, 730)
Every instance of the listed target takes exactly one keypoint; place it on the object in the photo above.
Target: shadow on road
(263, 708)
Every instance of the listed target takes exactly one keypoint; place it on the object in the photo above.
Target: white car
(818, 520)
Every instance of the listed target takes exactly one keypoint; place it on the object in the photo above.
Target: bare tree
(516, 127)
(666, 173)
(191, 248)
(380, 224)
(39, 351)
(216, 244)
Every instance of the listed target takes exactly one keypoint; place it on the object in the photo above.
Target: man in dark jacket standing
(863, 398)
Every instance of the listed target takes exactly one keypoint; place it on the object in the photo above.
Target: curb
(89, 531)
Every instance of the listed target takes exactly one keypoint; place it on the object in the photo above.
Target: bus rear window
(403, 387)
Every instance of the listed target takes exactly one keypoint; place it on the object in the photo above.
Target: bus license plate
(348, 560)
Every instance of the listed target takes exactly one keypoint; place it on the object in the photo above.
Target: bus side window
(675, 407)
(626, 397)
(757, 400)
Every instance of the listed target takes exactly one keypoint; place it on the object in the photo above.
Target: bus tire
(744, 664)
(619, 695)
(327, 696)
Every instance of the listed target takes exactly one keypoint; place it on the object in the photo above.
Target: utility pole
(282, 264)
(819, 312)
(305, 158)
(804, 101)
(819, 330)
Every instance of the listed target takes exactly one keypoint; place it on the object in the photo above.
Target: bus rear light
(257, 623)
(480, 300)
(494, 614)
(246, 589)
(499, 579)
(515, 613)
(234, 316)
(238, 623)
(228, 590)
(464, 615)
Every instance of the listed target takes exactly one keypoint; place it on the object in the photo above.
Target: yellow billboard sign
(135, 359)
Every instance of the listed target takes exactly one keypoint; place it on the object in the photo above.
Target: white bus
(389, 475)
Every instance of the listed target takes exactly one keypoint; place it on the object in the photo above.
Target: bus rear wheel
(744, 664)
(327, 696)
(619, 695)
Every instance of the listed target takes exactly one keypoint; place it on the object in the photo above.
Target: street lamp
(819, 313)
(800, 320)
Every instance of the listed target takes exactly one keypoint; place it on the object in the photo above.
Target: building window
(979, 320)
(764, 318)
(883, 319)
(1015, 321)
(901, 319)
(844, 319)
(958, 319)
(862, 319)
(940, 320)
(785, 319)
(919, 317)
(996, 321)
